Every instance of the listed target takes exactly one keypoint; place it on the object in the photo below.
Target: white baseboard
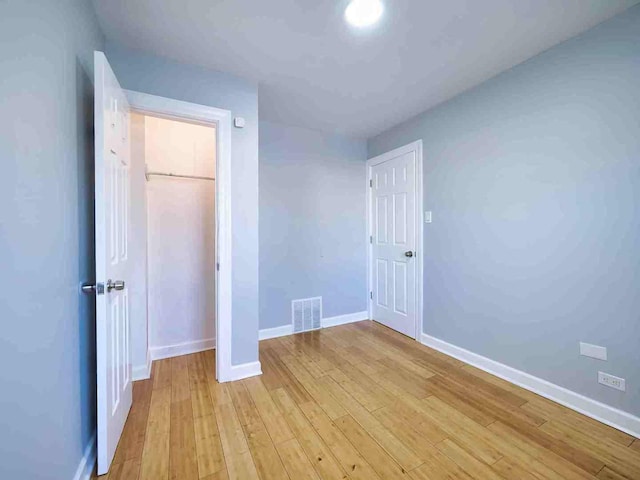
(142, 372)
(282, 331)
(244, 370)
(327, 322)
(592, 408)
(88, 461)
(168, 351)
(343, 319)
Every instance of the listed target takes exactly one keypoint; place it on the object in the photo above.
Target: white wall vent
(306, 314)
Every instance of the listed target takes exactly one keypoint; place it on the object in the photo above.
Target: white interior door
(393, 242)
(112, 263)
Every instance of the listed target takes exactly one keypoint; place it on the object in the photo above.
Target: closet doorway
(180, 231)
(179, 159)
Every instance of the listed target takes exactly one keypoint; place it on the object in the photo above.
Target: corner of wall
(142, 372)
(88, 461)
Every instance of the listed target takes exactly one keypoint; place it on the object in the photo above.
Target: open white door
(112, 262)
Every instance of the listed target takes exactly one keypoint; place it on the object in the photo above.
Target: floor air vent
(306, 314)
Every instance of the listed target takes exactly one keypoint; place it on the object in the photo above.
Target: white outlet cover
(239, 122)
(427, 216)
(612, 381)
(593, 351)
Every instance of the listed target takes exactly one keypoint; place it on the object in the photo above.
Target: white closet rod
(161, 174)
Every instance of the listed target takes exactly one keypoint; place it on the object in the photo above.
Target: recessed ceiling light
(363, 13)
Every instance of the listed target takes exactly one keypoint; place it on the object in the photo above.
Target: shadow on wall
(86, 245)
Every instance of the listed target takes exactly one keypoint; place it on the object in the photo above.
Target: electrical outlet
(427, 216)
(612, 381)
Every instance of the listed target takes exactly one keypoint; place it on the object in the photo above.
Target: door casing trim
(419, 230)
(221, 119)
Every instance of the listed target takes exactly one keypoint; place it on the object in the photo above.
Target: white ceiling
(316, 71)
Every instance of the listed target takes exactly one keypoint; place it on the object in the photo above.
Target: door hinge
(371, 295)
(218, 266)
(370, 238)
(370, 183)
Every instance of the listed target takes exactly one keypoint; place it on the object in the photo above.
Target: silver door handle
(93, 288)
(117, 285)
(408, 254)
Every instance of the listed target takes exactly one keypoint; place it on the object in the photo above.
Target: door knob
(408, 254)
(93, 288)
(117, 285)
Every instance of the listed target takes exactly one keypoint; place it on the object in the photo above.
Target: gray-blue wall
(312, 222)
(47, 344)
(534, 182)
(159, 76)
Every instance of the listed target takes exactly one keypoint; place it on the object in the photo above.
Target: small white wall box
(593, 351)
(239, 122)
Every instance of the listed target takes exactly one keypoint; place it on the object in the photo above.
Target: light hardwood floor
(357, 401)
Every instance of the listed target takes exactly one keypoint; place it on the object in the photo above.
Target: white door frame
(411, 147)
(221, 119)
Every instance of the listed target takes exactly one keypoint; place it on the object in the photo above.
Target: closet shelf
(175, 175)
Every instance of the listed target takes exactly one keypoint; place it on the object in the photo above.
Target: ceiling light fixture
(363, 13)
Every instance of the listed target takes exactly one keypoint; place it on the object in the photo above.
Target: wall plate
(612, 381)
(593, 351)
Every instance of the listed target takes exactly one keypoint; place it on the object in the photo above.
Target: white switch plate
(427, 217)
(612, 381)
(593, 351)
(239, 122)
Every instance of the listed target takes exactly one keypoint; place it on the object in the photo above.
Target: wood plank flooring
(357, 401)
